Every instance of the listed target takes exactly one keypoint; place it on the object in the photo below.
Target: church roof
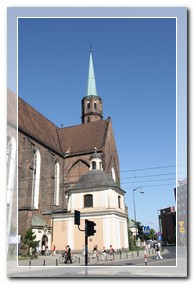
(84, 137)
(72, 140)
(38, 126)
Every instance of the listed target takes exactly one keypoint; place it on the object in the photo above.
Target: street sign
(146, 229)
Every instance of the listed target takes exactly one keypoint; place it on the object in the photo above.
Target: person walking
(54, 250)
(104, 254)
(157, 249)
(95, 251)
(68, 254)
(112, 252)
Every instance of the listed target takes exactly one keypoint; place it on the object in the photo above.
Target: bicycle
(34, 255)
(63, 258)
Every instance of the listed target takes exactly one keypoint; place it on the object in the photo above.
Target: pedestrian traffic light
(77, 217)
(89, 228)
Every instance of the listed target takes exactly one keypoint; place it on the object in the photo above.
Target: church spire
(91, 103)
(91, 88)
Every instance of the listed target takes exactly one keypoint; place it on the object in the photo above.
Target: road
(124, 265)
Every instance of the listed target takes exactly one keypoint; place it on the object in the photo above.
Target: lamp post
(142, 191)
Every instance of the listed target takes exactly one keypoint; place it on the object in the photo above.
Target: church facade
(52, 162)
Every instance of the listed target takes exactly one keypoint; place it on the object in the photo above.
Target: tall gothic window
(11, 156)
(88, 200)
(35, 178)
(56, 183)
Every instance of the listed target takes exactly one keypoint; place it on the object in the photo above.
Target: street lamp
(142, 191)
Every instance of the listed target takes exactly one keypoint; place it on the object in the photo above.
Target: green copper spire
(91, 90)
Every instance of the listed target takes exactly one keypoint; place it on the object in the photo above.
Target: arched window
(35, 178)
(88, 119)
(95, 105)
(56, 183)
(113, 174)
(88, 105)
(88, 200)
(11, 156)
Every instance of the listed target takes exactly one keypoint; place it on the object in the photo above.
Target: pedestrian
(43, 249)
(95, 251)
(30, 251)
(83, 250)
(157, 249)
(54, 250)
(104, 254)
(112, 252)
(68, 254)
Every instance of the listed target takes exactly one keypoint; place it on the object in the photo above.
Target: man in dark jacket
(68, 254)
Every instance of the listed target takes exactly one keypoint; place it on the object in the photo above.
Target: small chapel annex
(73, 168)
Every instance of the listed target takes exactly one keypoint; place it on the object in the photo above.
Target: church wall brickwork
(26, 146)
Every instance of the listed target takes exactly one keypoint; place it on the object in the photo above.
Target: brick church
(73, 168)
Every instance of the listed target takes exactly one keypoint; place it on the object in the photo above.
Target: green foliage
(28, 241)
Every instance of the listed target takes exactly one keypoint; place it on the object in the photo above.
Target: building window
(95, 105)
(88, 200)
(113, 174)
(56, 183)
(119, 201)
(93, 165)
(88, 105)
(36, 160)
(88, 119)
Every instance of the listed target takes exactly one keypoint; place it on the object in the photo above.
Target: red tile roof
(75, 139)
(36, 125)
(84, 137)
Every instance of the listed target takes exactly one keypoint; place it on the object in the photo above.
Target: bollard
(126, 255)
(29, 262)
(78, 259)
(145, 257)
(132, 254)
(56, 262)
(44, 262)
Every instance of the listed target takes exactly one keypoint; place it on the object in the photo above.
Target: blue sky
(135, 68)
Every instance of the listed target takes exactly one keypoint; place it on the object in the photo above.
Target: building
(99, 199)
(181, 193)
(52, 162)
(167, 224)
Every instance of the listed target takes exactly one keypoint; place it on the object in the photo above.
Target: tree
(29, 240)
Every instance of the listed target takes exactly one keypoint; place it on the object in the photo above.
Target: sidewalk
(54, 260)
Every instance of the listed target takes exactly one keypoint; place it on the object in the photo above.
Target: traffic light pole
(89, 231)
(86, 250)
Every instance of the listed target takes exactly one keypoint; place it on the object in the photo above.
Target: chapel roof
(95, 178)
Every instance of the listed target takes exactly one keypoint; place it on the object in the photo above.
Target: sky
(135, 69)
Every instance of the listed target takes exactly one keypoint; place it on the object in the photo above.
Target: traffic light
(89, 228)
(140, 231)
(77, 217)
